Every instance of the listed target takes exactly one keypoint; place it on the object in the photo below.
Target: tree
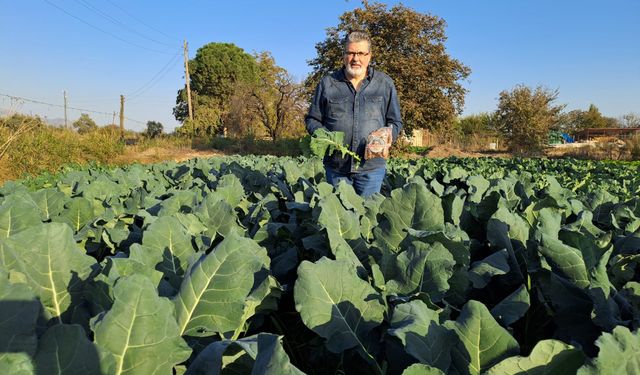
(84, 124)
(241, 120)
(525, 117)
(216, 71)
(475, 124)
(592, 118)
(409, 46)
(18, 122)
(274, 106)
(276, 100)
(154, 129)
(630, 120)
(571, 122)
(577, 120)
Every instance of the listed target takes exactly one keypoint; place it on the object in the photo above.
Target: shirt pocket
(374, 107)
(338, 108)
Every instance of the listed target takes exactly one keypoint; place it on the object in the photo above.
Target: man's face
(356, 59)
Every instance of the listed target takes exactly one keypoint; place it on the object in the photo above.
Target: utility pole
(66, 125)
(122, 117)
(114, 118)
(186, 76)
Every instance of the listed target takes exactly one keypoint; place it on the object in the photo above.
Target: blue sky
(97, 50)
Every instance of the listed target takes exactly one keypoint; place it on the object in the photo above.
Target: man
(363, 103)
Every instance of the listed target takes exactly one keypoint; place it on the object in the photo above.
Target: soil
(446, 151)
(156, 155)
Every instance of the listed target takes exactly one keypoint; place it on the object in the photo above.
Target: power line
(141, 21)
(98, 99)
(104, 31)
(139, 122)
(51, 104)
(117, 22)
(155, 79)
(19, 98)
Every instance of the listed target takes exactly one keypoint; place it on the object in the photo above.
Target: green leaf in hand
(323, 141)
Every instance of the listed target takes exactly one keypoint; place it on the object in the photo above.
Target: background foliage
(154, 129)
(409, 46)
(526, 116)
(84, 124)
(239, 94)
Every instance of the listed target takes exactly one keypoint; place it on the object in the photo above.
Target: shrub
(163, 141)
(85, 124)
(18, 121)
(633, 145)
(252, 146)
(102, 146)
(154, 129)
(525, 117)
(401, 148)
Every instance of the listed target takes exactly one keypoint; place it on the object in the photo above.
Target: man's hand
(378, 143)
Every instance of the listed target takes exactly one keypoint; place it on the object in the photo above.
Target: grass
(46, 149)
(28, 147)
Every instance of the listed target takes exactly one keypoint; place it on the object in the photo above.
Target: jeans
(365, 183)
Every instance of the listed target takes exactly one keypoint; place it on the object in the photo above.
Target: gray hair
(354, 37)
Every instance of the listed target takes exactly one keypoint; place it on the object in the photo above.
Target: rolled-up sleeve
(393, 116)
(313, 119)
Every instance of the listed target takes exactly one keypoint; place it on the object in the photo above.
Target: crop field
(255, 265)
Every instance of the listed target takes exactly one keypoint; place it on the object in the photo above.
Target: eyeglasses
(354, 54)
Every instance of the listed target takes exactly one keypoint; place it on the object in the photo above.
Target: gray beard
(354, 72)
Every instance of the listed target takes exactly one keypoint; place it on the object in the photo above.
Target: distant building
(420, 138)
(590, 133)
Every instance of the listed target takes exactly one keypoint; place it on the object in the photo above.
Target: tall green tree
(409, 46)
(525, 117)
(84, 124)
(215, 73)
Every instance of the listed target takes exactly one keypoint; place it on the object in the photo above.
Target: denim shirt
(337, 106)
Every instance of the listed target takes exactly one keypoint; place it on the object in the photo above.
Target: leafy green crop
(257, 265)
(323, 142)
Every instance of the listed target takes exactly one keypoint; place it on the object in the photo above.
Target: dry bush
(633, 146)
(30, 149)
(476, 142)
(13, 127)
(610, 148)
(253, 146)
(482, 143)
(602, 148)
(103, 145)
